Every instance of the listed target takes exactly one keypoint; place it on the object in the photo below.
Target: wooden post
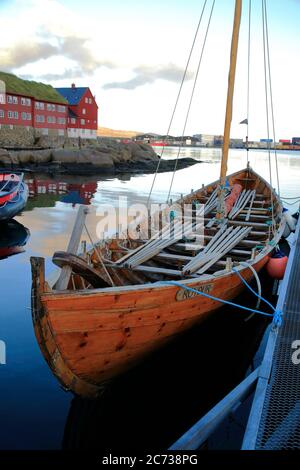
(63, 281)
(228, 117)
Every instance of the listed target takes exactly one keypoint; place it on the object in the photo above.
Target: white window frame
(2, 114)
(10, 114)
(9, 99)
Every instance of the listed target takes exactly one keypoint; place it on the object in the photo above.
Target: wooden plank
(200, 432)
(64, 278)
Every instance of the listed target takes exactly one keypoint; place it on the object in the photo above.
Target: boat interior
(206, 247)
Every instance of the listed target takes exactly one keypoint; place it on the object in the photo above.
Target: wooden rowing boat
(89, 335)
(116, 303)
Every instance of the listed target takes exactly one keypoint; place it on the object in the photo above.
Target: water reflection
(197, 371)
(13, 238)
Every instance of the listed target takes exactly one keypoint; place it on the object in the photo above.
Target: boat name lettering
(184, 294)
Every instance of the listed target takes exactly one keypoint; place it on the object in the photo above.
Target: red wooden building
(71, 112)
(83, 112)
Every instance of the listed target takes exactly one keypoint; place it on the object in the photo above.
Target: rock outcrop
(107, 156)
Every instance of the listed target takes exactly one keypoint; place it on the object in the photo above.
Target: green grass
(38, 90)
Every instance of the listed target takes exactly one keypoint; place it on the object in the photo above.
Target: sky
(132, 54)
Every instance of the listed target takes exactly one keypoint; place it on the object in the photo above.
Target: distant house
(32, 105)
(83, 112)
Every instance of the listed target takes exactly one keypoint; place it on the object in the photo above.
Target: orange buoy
(276, 266)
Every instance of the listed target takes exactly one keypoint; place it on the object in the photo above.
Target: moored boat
(109, 318)
(129, 295)
(13, 194)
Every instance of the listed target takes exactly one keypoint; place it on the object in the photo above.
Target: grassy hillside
(38, 90)
(106, 132)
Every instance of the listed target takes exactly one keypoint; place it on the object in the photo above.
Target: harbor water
(171, 389)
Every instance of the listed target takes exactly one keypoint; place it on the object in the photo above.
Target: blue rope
(178, 284)
(277, 316)
(252, 290)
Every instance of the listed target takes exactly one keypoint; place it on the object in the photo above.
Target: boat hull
(13, 207)
(99, 335)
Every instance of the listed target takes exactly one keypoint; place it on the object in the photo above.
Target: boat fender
(276, 265)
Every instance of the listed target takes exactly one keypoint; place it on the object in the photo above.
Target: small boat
(13, 194)
(127, 296)
(13, 238)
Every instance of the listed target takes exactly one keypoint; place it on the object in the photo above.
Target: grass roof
(38, 90)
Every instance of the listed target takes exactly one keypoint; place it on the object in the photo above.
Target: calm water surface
(35, 413)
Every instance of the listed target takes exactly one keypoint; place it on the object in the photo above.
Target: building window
(10, 115)
(2, 98)
(51, 119)
(51, 107)
(1, 113)
(15, 100)
(9, 99)
(25, 101)
(28, 116)
(61, 109)
(61, 121)
(24, 116)
(16, 115)
(84, 111)
(82, 122)
(40, 118)
(73, 120)
(39, 105)
(86, 100)
(90, 100)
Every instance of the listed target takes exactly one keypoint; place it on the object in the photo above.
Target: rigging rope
(178, 96)
(267, 112)
(248, 79)
(191, 100)
(271, 94)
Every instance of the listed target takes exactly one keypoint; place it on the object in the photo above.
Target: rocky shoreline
(109, 157)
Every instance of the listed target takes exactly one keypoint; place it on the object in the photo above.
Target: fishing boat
(125, 297)
(13, 194)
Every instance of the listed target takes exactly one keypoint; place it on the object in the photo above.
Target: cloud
(72, 47)
(147, 75)
(22, 54)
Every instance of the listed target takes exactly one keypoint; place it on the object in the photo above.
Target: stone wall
(18, 136)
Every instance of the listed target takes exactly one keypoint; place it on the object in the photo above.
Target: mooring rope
(277, 315)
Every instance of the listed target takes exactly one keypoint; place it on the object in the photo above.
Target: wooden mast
(228, 116)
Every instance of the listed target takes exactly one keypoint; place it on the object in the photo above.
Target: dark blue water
(170, 391)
